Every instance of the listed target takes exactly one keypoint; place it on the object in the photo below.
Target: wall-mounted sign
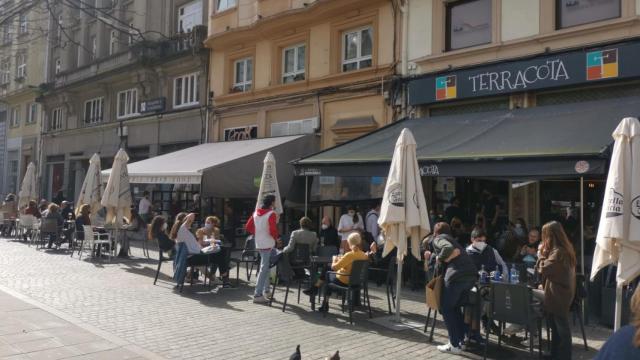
(153, 105)
(241, 133)
(542, 72)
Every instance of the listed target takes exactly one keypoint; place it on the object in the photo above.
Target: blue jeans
(450, 303)
(262, 282)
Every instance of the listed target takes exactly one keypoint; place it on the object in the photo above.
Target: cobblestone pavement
(119, 299)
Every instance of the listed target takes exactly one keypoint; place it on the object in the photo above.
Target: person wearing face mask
(350, 223)
(210, 235)
(483, 254)
(520, 229)
(328, 234)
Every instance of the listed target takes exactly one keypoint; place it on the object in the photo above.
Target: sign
(542, 72)
(153, 105)
(241, 133)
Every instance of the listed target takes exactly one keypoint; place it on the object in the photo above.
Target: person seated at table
(484, 254)
(328, 233)
(529, 251)
(66, 211)
(460, 275)
(158, 231)
(83, 219)
(209, 235)
(302, 236)
(625, 343)
(10, 213)
(53, 213)
(43, 206)
(32, 209)
(135, 229)
(342, 266)
(209, 232)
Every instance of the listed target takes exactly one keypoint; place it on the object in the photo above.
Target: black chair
(388, 271)
(300, 260)
(513, 303)
(577, 306)
(327, 251)
(162, 258)
(358, 280)
(249, 256)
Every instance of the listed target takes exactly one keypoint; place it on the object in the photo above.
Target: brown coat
(559, 281)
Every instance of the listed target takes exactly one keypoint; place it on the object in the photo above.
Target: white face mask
(518, 226)
(480, 245)
(325, 226)
(164, 227)
(352, 213)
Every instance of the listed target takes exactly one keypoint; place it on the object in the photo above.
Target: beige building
(23, 49)
(284, 67)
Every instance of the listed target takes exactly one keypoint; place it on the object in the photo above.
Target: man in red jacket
(263, 225)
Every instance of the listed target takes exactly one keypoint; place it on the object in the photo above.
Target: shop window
(56, 119)
(93, 110)
(189, 16)
(223, 5)
(242, 75)
(128, 103)
(293, 63)
(357, 49)
(32, 113)
(15, 117)
(185, 90)
(577, 12)
(468, 24)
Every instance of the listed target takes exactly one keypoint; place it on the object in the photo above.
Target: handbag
(434, 292)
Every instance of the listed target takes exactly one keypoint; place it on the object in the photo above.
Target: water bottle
(496, 275)
(513, 275)
(483, 275)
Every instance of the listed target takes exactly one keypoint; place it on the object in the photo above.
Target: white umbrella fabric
(404, 209)
(117, 193)
(92, 189)
(618, 239)
(269, 183)
(28, 187)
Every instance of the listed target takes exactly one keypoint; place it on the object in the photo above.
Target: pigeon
(296, 355)
(335, 356)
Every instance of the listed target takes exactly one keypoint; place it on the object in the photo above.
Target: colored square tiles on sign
(602, 64)
(446, 87)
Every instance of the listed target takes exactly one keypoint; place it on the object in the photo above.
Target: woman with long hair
(556, 264)
(180, 218)
(157, 230)
(625, 343)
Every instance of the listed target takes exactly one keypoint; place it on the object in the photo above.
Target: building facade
(285, 67)
(23, 49)
(125, 74)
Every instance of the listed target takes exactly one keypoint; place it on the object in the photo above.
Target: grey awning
(226, 169)
(547, 141)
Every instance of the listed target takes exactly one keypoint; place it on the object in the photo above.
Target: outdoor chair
(250, 257)
(327, 251)
(48, 228)
(388, 272)
(25, 225)
(94, 241)
(513, 303)
(300, 260)
(577, 306)
(358, 280)
(162, 258)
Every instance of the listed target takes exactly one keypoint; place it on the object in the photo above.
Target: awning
(225, 169)
(565, 140)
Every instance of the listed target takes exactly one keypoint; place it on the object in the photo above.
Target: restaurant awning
(226, 169)
(567, 140)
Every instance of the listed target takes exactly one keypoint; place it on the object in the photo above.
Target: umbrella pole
(398, 285)
(306, 194)
(582, 223)
(618, 310)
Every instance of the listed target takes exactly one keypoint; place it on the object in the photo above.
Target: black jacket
(461, 268)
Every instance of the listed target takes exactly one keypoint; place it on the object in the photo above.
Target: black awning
(541, 142)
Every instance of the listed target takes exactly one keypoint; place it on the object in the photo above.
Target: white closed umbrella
(117, 193)
(269, 183)
(28, 187)
(618, 239)
(404, 210)
(92, 188)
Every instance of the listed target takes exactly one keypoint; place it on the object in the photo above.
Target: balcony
(146, 52)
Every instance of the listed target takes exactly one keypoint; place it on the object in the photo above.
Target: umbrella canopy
(404, 210)
(117, 193)
(28, 188)
(269, 182)
(92, 189)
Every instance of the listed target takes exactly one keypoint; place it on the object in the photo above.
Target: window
(15, 117)
(22, 24)
(468, 24)
(6, 35)
(56, 119)
(128, 103)
(32, 113)
(189, 16)
(242, 75)
(21, 66)
(113, 42)
(58, 66)
(225, 4)
(185, 90)
(298, 127)
(293, 63)
(357, 49)
(93, 110)
(94, 47)
(577, 12)
(132, 32)
(5, 71)
(58, 33)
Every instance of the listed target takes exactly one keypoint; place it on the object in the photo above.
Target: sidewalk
(29, 332)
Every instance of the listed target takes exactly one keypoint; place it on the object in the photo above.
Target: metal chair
(358, 280)
(389, 273)
(327, 251)
(300, 260)
(249, 256)
(48, 227)
(577, 306)
(95, 241)
(24, 225)
(162, 258)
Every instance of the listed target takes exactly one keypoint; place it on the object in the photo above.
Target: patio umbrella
(92, 189)
(618, 239)
(269, 183)
(28, 188)
(404, 210)
(117, 193)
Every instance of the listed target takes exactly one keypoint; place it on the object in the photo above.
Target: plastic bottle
(514, 276)
(496, 275)
(484, 276)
